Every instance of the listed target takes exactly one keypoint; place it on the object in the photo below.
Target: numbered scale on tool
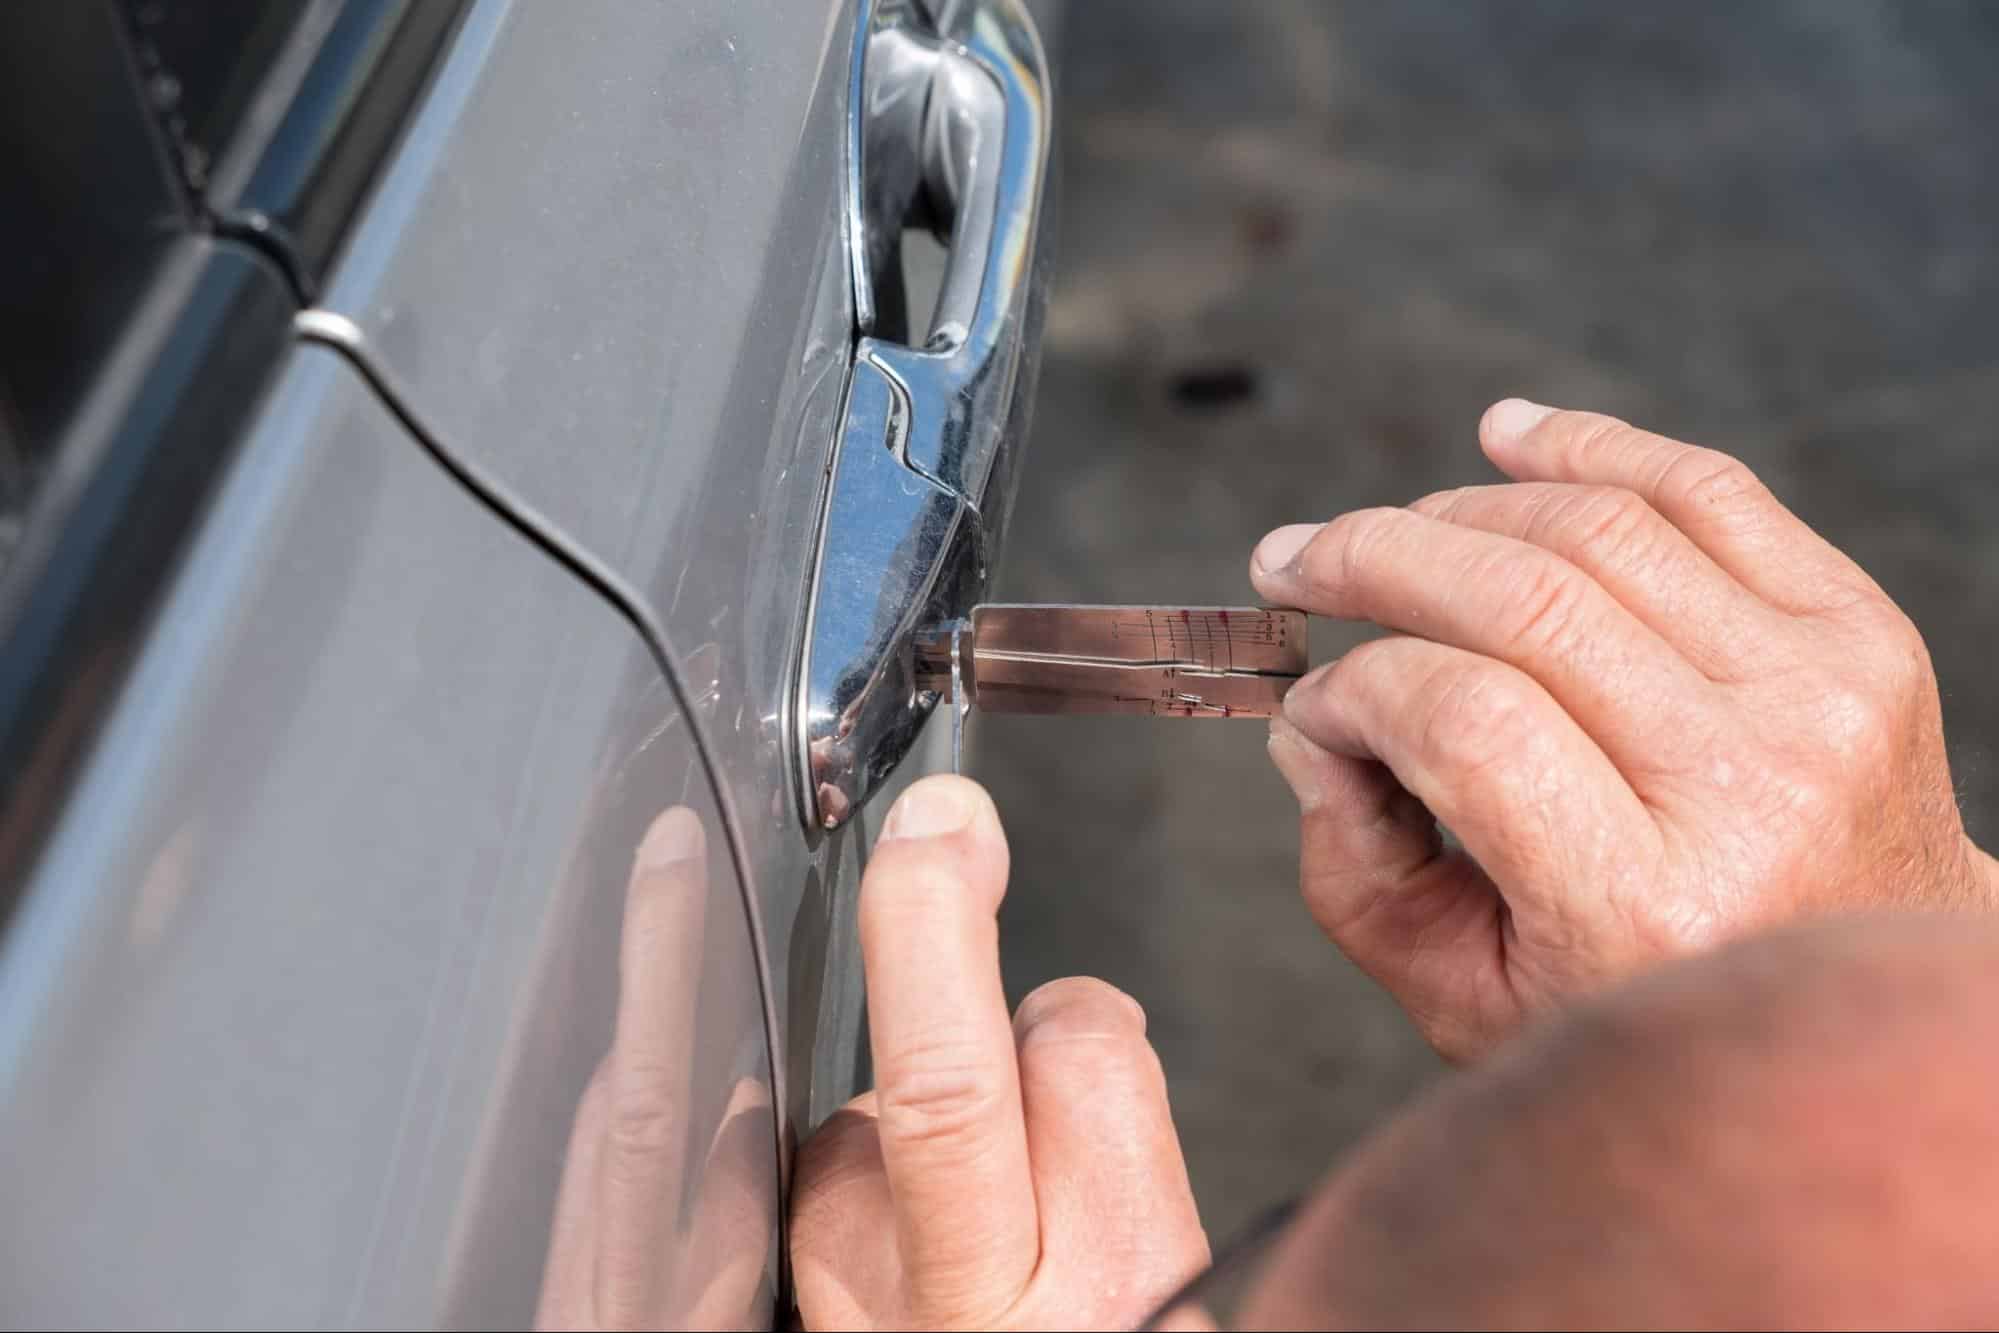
(1158, 661)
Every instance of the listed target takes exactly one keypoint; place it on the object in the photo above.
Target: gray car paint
(304, 996)
(607, 264)
(303, 999)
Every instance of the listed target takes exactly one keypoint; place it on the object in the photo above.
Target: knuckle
(1847, 598)
(1856, 725)
(1349, 547)
(1363, 671)
(1588, 435)
(1798, 809)
(1444, 505)
(1708, 481)
(1675, 927)
(1543, 600)
(1894, 646)
(943, 1096)
(1600, 524)
(1078, 1007)
(1909, 668)
(1478, 717)
(1886, 649)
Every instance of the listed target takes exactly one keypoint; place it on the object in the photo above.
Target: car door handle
(950, 129)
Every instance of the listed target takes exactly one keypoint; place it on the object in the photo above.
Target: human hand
(1001, 1175)
(1655, 708)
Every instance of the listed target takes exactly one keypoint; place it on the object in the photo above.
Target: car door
(444, 509)
(305, 992)
(606, 265)
(333, 790)
(626, 262)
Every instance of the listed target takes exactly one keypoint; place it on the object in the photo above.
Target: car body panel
(317, 956)
(304, 995)
(607, 264)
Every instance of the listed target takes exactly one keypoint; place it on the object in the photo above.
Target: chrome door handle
(950, 127)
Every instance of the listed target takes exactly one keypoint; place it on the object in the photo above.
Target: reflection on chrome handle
(951, 130)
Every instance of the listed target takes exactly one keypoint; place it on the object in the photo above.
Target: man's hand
(1002, 1174)
(1655, 708)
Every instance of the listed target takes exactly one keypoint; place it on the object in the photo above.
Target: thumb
(1423, 920)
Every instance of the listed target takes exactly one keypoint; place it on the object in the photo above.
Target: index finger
(1713, 498)
(1505, 599)
(953, 1139)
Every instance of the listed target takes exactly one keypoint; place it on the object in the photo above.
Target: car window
(202, 65)
(278, 115)
(129, 122)
(91, 206)
(166, 158)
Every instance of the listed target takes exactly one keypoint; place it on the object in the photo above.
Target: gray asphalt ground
(1301, 247)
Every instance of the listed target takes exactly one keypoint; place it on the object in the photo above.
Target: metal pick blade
(961, 702)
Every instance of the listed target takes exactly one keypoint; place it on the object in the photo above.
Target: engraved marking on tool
(1157, 661)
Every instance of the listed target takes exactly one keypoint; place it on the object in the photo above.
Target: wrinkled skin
(1017, 1173)
(1655, 708)
(1658, 713)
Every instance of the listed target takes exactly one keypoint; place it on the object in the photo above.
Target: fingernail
(1280, 548)
(1511, 418)
(931, 809)
(1290, 753)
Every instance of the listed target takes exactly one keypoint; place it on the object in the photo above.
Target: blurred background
(1300, 248)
